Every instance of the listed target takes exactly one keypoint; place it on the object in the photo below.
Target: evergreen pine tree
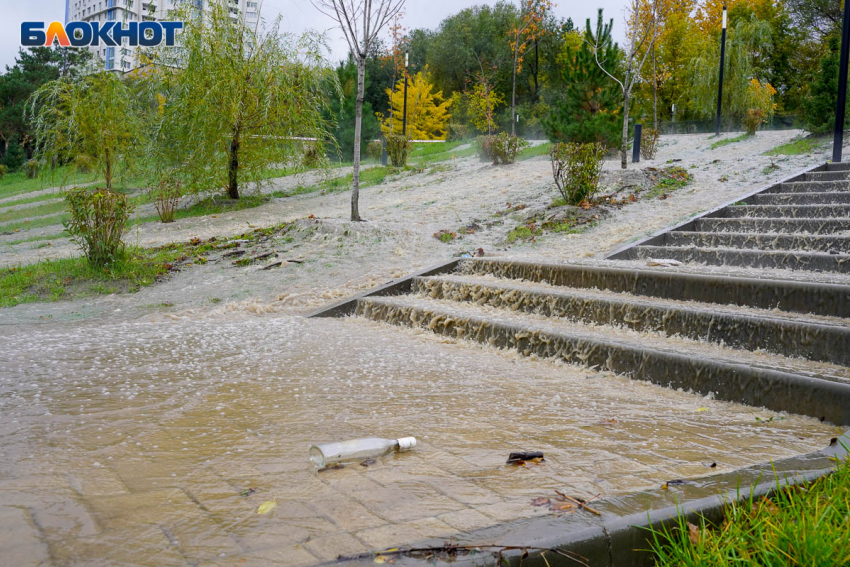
(819, 106)
(14, 157)
(590, 107)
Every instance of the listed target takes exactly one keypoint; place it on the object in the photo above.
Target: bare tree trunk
(108, 173)
(358, 128)
(654, 91)
(233, 167)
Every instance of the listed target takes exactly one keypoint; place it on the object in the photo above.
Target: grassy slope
(800, 525)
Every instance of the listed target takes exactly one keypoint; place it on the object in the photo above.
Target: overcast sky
(299, 15)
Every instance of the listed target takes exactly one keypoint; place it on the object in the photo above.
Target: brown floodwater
(153, 443)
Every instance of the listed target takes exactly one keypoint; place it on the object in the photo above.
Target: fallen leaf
(674, 482)
(709, 464)
(248, 492)
(542, 501)
(266, 507)
(368, 463)
(693, 533)
(561, 506)
(702, 409)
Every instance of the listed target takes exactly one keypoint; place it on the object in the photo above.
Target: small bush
(484, 145)
(398, 147)
(505, 147)
(754, 118)
(576, 169)
(456, 131)
(649, 143)
(31, 169)
(3, 170)
(314, 156)
(166, 198)
(375, 149)
(84, 163)
(98, 221)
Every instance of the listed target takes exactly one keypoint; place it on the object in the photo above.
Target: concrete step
(773, 225)
(838, 166)
(803, 242)
(778, 383)
(774, 259)
(817, 211)
(825, 198)
(786, 295)
(827, 176)
(786, 334)
(809, 187)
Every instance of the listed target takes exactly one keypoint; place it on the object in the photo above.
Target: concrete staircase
(802, 224)
(779, 343)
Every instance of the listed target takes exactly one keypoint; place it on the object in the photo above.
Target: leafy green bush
(166, 198)
(31, 168)
(505, 147)
(484, 146)
(576, 169)
(649, 143)
(84, 163)
(98, 222)
(3, 170)
(398, 147)
(375, 149)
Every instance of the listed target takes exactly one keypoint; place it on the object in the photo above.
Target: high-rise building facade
(125, 57)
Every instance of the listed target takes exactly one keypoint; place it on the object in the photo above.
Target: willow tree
(361, 21)
(234, 102)
(746, 42)
(96, 118)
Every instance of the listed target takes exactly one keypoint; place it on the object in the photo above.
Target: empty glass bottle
(357, 449)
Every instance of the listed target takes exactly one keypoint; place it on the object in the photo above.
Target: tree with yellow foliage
(427, 112)
(530, 28)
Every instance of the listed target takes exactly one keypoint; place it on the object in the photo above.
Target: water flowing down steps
(801, 224)
(779, 343)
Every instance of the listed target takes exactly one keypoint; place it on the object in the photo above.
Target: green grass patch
(17, 183)
(523, 232)
(798, 146)
(32, 212)
(796, 525)
(535, 151)
(727, 141)
(52, 280)
(28, 200)
(368, 177)
(666, 180)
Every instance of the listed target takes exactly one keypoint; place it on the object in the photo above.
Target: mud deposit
(155, 442)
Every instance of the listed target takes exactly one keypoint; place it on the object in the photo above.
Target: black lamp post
(720, 84)
(838, 140)
(404, 117)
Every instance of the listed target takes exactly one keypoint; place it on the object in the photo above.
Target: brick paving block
(346, 513)
(25, 555)
(65, 519)
(156, 507)
(514, 509)
(330, 547)
(466, 520)
(394, 535)
(97, 481)
(286, 556)
(120, 546)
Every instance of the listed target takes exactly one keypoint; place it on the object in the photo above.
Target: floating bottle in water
(357, 449)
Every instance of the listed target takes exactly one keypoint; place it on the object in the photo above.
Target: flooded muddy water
(154, 442)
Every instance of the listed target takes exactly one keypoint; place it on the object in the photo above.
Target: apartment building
(125, 57)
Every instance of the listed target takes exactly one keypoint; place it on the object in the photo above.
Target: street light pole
(404, 117)
(838, 140)
(720, 85)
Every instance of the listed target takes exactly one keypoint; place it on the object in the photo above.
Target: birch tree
(361, 22)
(642, 39)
